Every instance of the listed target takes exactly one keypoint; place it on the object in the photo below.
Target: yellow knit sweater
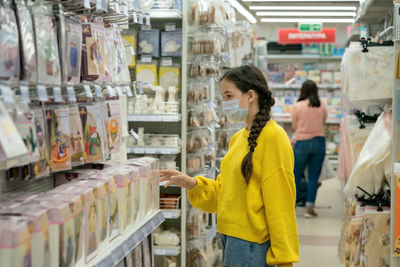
(265, 208)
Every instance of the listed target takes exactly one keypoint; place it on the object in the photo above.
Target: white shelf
(373, 11)
(165, 14)
(171, 214)
(166, 251)
(155, 117)
(279, 86)
(352, 38)
(120, 247)
(153, 150)
(288, 120)
(303, 57)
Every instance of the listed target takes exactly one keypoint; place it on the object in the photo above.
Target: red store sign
(294, 36)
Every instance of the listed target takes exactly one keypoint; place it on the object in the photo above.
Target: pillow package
(9, 45)
(149, 43)
(28, 49)
(171, 43)
(122, 71)
(48, 61)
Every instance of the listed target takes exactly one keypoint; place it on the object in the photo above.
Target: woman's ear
(252, 95)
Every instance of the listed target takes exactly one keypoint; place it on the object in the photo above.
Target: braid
(261, 119)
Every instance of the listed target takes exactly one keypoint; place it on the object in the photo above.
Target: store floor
(319, 236)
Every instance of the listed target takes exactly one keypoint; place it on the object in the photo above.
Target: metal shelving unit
(298, 86)
(302, 57)
(154, 117)
(120, 247)
(153, 150)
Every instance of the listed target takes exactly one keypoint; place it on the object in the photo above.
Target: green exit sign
(310, 27)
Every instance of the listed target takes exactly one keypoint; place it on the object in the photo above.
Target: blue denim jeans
(308, 153)
(241, 253)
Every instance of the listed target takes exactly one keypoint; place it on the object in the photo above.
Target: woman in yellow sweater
(254, 195)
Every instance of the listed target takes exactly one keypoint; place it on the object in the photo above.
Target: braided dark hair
(248, 78)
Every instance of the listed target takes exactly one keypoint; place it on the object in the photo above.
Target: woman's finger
(162, 179)
(168, 172)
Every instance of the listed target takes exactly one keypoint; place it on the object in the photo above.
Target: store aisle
(319, 236)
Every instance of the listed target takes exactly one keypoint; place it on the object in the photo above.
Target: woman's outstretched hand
(174, 177)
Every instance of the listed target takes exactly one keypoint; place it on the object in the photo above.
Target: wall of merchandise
(87, 86)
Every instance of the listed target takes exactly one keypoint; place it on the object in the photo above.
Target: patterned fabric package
(28, 49)
(58, 126)
(41, 167)
(122, 71)
(9, 45)
(72, 51)
(113, 127)
(48, 61)
(94, 57)
(76, 136)
(24, 121)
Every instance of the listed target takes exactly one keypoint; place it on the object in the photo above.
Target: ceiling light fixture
(329, 8)
(243, 11)
(301, 1)
(297, 20)
(306, 14)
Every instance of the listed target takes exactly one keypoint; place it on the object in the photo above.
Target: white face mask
(233, 111)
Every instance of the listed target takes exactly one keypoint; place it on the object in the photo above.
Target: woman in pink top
(308, 119)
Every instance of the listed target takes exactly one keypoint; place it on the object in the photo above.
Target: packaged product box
(337, 77)
(76, 202)
(134, 175)
(91, 239)
(15, 241)
(301, 76)
(40, 234)
(62, 230)
(326, 77)
(149, 43)
(76, 136)
(171, 43)
(170, 76)
(315, 75)
(101, 195)
(147, 73)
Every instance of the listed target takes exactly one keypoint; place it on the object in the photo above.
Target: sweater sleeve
(205, 194)
(279, 195)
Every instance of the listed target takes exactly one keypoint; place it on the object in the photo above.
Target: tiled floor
(319, 236)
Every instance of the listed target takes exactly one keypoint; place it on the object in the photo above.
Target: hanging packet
(28, 49)
(48, 61)
(9, 45)
(76, 136)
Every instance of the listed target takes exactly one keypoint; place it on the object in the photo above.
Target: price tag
(57, 95)
(128, 91)
(42, 93)
(125, 10)
(86, 4)
(135, 17)
(151, 150)
(139, 150)
(134, 88)
(146, 59)
(117, 9)
(97, 91)
(161, 251)
(170, 27)
(99, 5)
(145, 27)
(132, 50)
(134, 134)
(6, 93)
(140, 17)
(110, 91)
(71, 93)
(140, 85)
(119, 91)
(148, 20)
(166, 61)
(25, 97)
(88, 91)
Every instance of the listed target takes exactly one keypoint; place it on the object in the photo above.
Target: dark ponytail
(248, 78)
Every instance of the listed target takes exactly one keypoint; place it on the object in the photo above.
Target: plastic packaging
(171, 43)
(28, 49)
(170, 76)
(373, 165)
(76, 136)
(72, 51)
(149, 43)
(48, 61)
(147, 73)
(121, 73)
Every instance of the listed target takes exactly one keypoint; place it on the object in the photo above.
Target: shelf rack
(298, 86)
(154, 117)
(120, 247)
(302, 57)
(159, 150)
